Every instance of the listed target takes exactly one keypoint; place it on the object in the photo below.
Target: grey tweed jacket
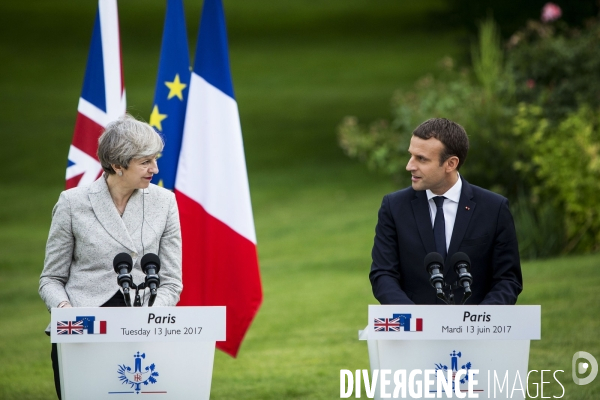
(86, 234)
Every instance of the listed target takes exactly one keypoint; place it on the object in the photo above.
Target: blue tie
(439, 227)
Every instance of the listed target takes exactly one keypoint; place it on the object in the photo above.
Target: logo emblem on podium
(138, 375)
(454, 356)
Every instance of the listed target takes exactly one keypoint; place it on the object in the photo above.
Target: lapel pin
(467, 208)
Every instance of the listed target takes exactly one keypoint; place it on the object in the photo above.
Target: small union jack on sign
(387, 324)
(69, 328)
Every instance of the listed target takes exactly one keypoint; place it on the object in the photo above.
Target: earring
(120, 173)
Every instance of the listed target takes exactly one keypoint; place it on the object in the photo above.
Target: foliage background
(298, 67)
(528, 107)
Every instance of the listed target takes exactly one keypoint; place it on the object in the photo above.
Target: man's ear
(451, 164)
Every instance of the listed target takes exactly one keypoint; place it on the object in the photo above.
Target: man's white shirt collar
(452, 194)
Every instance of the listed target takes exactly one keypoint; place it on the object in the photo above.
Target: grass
(298, 68)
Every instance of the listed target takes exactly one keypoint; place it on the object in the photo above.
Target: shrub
(564, 169)
(556, 67)
(539, 225)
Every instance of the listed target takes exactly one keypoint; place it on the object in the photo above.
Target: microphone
(462, 264)
(122, 265)
(434, 264)
(151, 265)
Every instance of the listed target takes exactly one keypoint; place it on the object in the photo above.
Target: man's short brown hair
(452, 135)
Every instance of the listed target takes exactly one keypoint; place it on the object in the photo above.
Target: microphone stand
(451, 296)
(466, 295)
(138, 302)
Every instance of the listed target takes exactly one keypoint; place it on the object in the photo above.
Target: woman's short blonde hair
(126, 139)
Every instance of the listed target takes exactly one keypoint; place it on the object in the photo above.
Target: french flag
(102, 97)
(416, 325)
(220, 264)
(100, 327)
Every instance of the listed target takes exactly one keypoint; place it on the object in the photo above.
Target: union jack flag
(69, 327)
(102, 97)
(387, 324)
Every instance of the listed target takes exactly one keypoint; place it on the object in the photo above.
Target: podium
(491, 339)
(120, 353)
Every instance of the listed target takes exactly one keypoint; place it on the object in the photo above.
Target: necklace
(120, 212)
(118, 209)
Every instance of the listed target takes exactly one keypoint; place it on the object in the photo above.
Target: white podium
(120, 353)
(491, 339)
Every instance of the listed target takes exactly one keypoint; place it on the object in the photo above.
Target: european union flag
(170, 96)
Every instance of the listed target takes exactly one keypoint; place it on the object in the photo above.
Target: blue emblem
(454, 367)
(136, 376)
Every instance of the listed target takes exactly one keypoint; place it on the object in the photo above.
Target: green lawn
(298, 67)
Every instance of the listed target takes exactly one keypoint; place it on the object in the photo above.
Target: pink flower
(551, 12)
(530, 83)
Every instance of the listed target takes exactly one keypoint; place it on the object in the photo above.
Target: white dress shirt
(450, 207)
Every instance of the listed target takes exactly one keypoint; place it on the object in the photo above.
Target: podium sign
(451, 322)
(491, 339)
(137, 324)
(113, 353)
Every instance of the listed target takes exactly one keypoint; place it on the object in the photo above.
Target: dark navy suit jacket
(484, 229)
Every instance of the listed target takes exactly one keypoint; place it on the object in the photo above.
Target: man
(472, 220)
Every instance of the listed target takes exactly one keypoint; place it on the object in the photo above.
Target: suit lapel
(107, 213)
(420, 208)
(466, 208)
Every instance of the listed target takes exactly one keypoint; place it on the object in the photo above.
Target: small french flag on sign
(100, 327)
(416, 324)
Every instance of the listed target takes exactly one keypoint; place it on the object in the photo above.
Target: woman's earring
(120, 173)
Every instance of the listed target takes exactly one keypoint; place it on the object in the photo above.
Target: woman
(121, 212)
